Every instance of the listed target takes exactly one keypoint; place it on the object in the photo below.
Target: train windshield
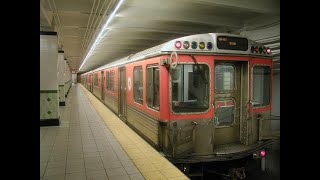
(190, 88)
(261, 85)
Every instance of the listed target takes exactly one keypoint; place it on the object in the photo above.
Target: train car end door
(103, 78)
(122, 94)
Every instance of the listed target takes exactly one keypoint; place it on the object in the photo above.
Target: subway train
(199, 98)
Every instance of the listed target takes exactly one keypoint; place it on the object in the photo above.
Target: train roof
(210, 43)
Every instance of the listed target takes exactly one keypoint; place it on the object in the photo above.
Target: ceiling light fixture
(101, 34)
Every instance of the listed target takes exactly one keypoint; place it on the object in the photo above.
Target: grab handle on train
(173, 65)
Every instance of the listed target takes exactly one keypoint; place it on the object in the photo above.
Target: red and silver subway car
(204, 97)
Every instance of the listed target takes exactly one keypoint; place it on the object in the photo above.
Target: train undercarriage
(232, 166)
(242, 168)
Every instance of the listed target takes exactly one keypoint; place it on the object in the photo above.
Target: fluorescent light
(92, 48)
(101, 34)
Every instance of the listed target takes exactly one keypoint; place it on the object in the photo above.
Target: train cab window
(261, 85)
(190, 88)
(153, 93)
(224, 77)
(137, 84)
(95, 79)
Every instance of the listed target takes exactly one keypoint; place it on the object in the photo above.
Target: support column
(49, 97)
(61, 70)
(67, 78)
(74, 78)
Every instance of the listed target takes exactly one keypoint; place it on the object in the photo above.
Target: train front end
(219, 93)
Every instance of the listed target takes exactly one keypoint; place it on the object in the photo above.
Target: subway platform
(92, 143)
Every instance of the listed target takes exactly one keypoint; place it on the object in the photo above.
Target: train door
(88, 82)
(122, 93)
(103, 78)
(228, 101)
(91, 83)
(261, 79)
(85, 81)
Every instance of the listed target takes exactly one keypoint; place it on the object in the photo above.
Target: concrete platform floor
(92, 143)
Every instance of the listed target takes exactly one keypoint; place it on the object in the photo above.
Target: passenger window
(153, 93)
(224, 77)
(137, 84)
(261, 86)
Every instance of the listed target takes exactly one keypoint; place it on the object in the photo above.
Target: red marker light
(262, 153)
(178, 44)
(256, 49)
(268, 50)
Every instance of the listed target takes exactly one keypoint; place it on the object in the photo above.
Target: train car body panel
(102, 86)
(142, 117)
(96, 90)
(111, 91)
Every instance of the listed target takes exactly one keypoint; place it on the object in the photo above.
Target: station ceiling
(141, 24)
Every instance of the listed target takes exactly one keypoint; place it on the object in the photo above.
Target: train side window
(112, 81)
(138, 84)
(108, 80)
(261, 86)
(224, 77)
(153, 93)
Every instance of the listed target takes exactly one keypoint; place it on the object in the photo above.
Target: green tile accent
(48, 99)
(49, 109)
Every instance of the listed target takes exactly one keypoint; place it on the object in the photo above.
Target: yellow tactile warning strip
(149, 161)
